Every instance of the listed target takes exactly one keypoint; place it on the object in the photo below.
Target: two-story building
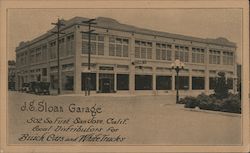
(124, 59)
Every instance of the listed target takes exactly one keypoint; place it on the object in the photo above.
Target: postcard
(124, 76)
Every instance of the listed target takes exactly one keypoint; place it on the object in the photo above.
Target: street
(154, 120)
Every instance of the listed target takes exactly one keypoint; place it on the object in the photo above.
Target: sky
(27, 24)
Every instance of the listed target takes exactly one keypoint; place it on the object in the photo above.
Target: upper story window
(198, 55)
(228, 58)
(44, 52)
(33, 56)
(69, 44)
(118, 46)
(62, 47)
(97, 44)
(143, 49)
(38, 54)
(52, 50)
(163, 51)
(181, 53)
(214, 56)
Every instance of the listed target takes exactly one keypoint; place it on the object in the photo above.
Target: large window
(53, 81)
(198, 55)
(181, 53)
(163, 51)
(118, 46)
(32, 56)
(122, 82)
(62, 47)
(198, 83)
(44, 52)
(183, 82)
(52, 50)
(228, 58)
(143, 82)
(38, 54)
(69, 44)
(143, 49)
(214, 57)
(97, 44)
(92, 81)
(212, 82)
(163, 82)
(67, 82)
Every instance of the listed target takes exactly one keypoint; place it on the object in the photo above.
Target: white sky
(26, 24)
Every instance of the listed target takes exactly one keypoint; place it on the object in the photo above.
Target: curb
(212, 112)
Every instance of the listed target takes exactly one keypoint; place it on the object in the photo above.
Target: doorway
(106, 83)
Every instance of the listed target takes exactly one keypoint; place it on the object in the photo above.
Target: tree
(221, 87)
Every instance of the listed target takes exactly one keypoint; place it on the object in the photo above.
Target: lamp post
(177, 66)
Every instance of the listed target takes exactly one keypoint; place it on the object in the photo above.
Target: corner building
(125, 59)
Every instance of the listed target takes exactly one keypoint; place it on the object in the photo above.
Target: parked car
(43, 88)
(39, 87)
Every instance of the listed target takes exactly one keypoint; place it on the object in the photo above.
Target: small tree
(221, 87)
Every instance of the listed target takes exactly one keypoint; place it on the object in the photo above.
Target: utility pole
(89, 32)
(59, 24)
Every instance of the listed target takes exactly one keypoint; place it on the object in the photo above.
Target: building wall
(74, 65)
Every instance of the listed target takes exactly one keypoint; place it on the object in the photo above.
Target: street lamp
(177, 65)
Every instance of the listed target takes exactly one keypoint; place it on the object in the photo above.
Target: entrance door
(106, 85)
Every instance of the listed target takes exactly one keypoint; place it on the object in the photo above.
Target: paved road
(152, 119)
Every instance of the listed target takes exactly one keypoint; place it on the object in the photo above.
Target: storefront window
(163, 82)
(183, 82)
(143, 82)
(68, 82)
(92, 81)
(198, 83)
(122, 82)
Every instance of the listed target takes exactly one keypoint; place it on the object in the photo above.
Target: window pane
(84, 47)
(198, 83)
(163, 82)
(137, 52)
(100, 48)
(93, 48)
(143, 52)
(111, 50)
(118, 50)
(143, 82)
(183, 82)
(92, 81)
(158, 54)
(122, 82)
(149, 53)
(125, 51)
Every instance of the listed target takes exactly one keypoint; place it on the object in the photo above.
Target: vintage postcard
(124, 76)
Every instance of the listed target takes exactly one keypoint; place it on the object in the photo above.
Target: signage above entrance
(136, 62)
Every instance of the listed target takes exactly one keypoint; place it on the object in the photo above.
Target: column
(97, 81)
(173, 52)
(115, 80)
(154, 81)
(206, 54)
(190, 80)
(132, 66)
(173, 80)
(77, 69)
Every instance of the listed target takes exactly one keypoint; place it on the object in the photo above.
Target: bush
(190, 102)
(232, 104)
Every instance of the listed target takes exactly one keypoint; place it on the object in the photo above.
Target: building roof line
(108, 23)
